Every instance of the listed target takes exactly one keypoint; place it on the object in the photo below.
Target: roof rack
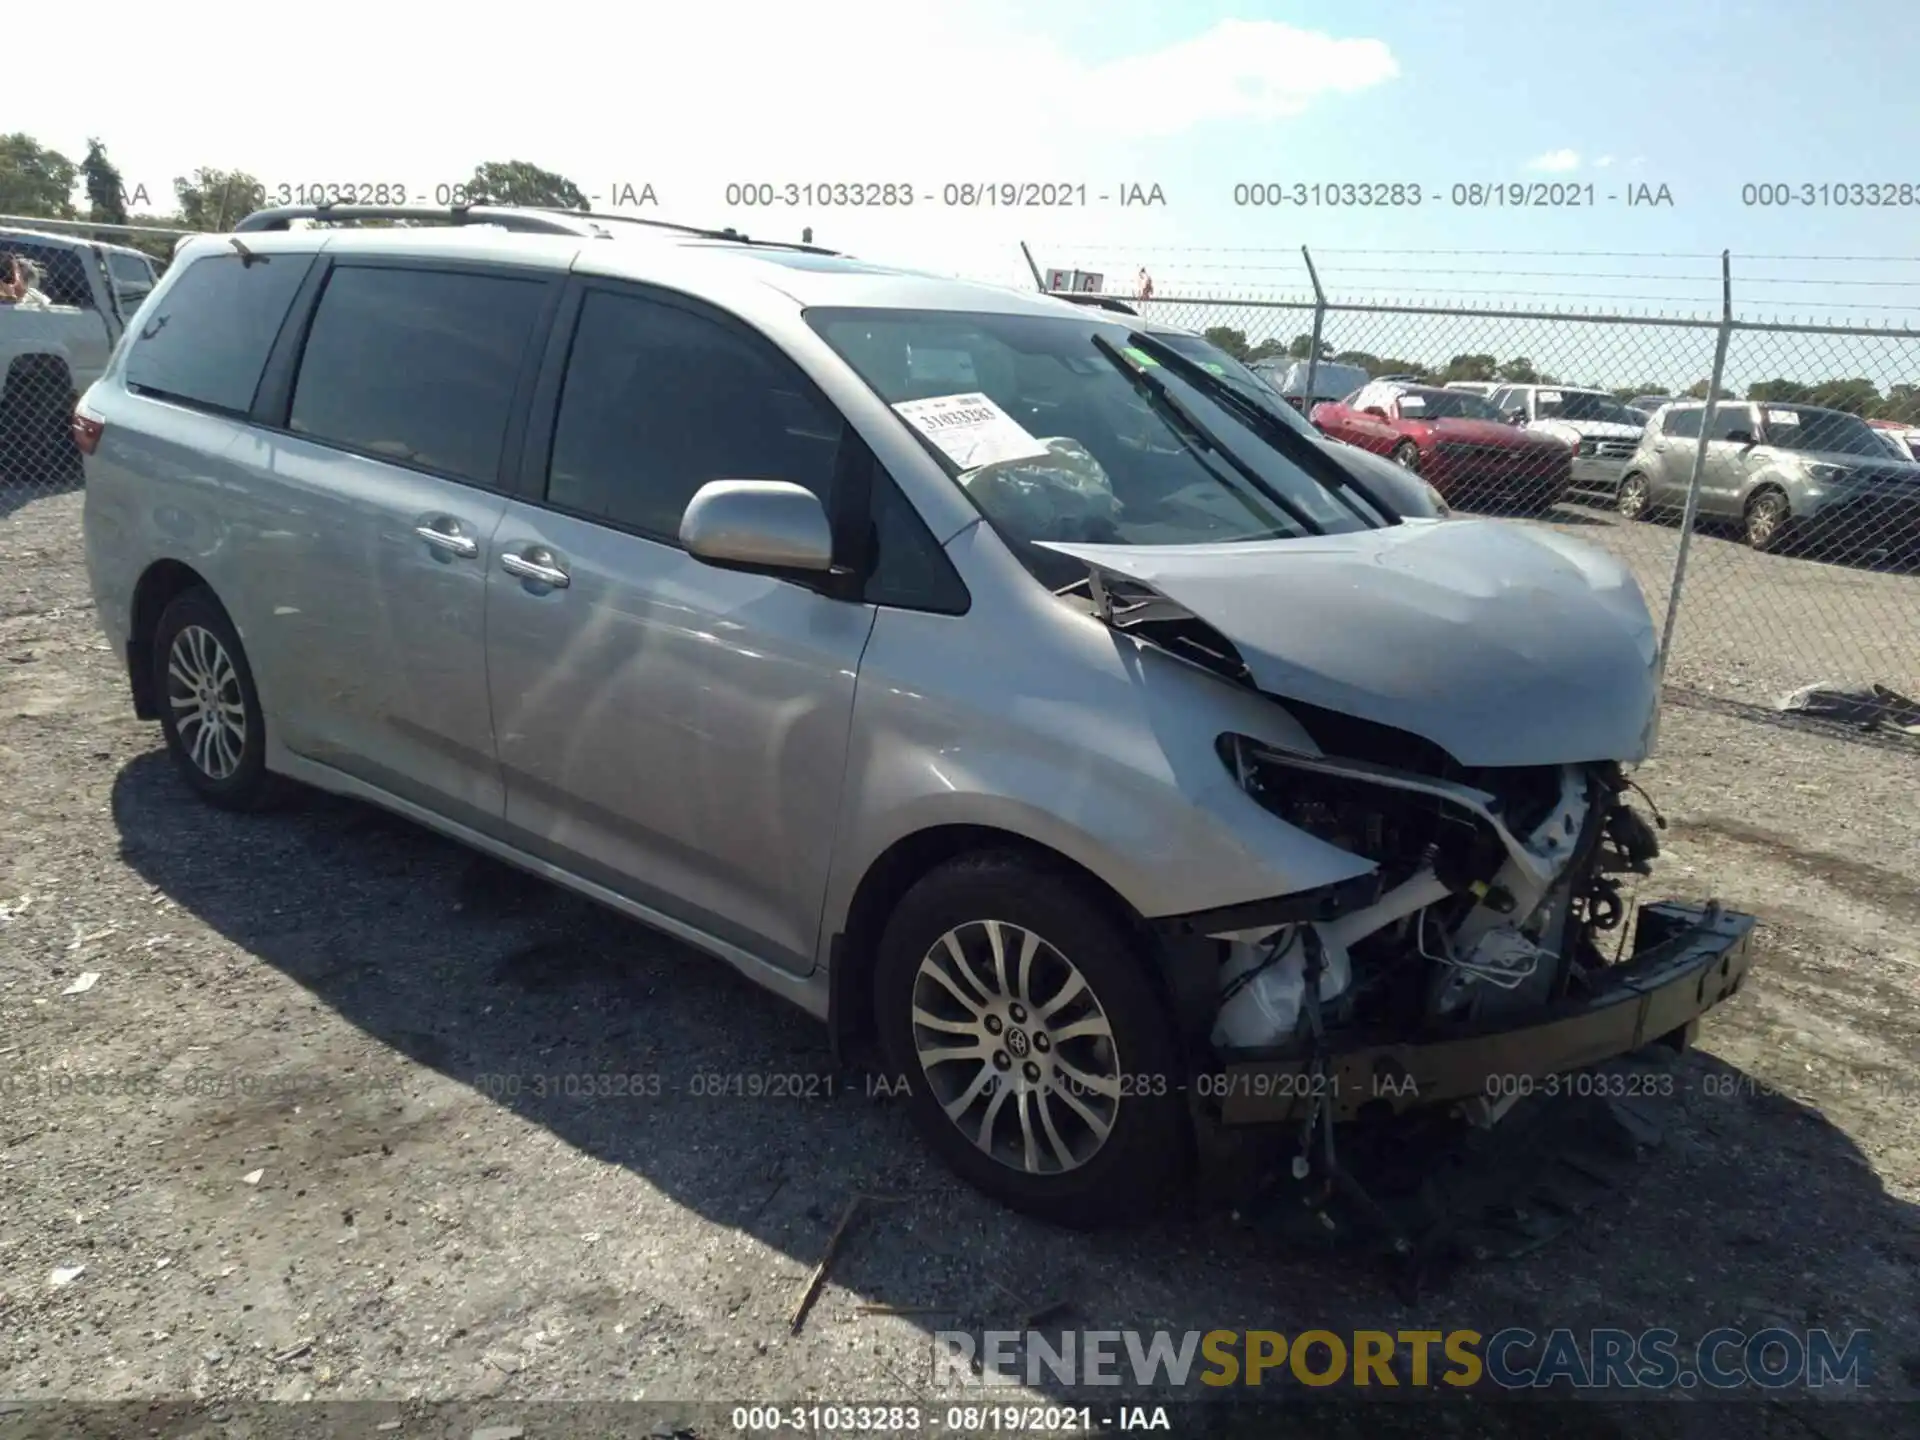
(532, 219)
(504, 217)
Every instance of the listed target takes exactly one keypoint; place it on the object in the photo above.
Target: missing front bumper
(1686, 959)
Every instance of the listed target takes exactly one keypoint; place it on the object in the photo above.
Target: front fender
(1087, 742)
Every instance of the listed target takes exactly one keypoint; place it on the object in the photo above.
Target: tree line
(1857, 395)
(38, 180)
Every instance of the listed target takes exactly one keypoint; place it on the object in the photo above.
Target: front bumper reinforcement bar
(1686, 959)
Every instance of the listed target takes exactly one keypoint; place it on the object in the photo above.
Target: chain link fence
(1771, 511)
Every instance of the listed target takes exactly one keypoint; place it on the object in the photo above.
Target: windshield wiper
(1276, 432)
(1154, 391)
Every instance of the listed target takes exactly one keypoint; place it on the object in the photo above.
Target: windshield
(1210, 356)
(1584, 405)
(1061, 429)
(1445, 405)
(1827, 432)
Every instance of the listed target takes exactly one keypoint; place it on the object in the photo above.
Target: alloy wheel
(203, 689)
(1015, 1047)
(1765, 518)
(1632, 500)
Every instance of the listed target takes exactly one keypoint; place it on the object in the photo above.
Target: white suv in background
(1603, 432)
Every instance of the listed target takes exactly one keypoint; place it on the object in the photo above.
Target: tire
(1634, 499)
(1072, 1173)
(36, 435)
(1406, 455)
(1768, 520)
(196, 642)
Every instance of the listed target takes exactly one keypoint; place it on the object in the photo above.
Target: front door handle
(534, 566)
(462, 545)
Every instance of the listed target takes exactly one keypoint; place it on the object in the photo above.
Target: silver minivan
(976, 671)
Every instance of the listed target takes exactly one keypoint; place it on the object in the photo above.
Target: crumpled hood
(1503, 644)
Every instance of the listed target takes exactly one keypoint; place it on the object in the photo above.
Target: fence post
(1319, 312)
(1692, 512)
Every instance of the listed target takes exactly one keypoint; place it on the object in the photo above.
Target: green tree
(1857, 396)
(104, 200)
(1268, 349)
(1520, 371)
(1471, 367)
(1698, 391)
(1366, 360)
(520, 182)
(1388, 365)
(35, 180)
(1902, 404)
(1628, 392)
(213, 199)
(1234, 342)
(1783, 390)
(1301, 346)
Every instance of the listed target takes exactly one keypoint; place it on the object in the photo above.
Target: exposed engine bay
(1498, 886)
(1495, 889)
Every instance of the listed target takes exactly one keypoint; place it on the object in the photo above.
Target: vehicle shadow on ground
(494, 980)
(17, 494)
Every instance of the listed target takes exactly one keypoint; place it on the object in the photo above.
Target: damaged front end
(1490, 944)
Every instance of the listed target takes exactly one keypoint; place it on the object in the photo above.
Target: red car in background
(1455, 441)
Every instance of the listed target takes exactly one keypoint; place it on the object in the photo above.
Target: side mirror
(758, 525)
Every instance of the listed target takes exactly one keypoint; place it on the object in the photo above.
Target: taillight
(87, 430)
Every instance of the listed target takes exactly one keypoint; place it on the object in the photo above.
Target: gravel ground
(375, 1202)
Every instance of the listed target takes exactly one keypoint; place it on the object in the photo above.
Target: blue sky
(1697, 95)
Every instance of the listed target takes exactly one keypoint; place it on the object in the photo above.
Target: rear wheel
(1634, 500)
(1769, 518)
(1039, 1059)
(209, 708)
(1406, 455)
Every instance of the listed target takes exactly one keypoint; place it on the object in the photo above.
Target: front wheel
(1039, 1059)
(1406, 455)
(1768, 519)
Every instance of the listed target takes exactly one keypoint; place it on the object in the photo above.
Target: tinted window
(208, 340)
(1445, 405)
(128, 269)
(908, 568)
(417, 366)
(63, 276)
(1682, 423)
(1729, 418)
(659, 400)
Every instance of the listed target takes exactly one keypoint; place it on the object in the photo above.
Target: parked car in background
(1648, 405)
(1903, 440)
(1398, 491)
(1330, 381)
(979, 674)
(1789, 475)
(1601, 432)
(50, 353)
(1455, 440)
(1482, 388)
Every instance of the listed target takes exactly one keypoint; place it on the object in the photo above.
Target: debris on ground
(82, 983)
(1872, 707)
(65, 1275)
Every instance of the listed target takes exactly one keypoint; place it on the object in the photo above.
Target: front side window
(1730, 422)
(659, 400)
(1068, 431)
(416, 366)
(207, 340)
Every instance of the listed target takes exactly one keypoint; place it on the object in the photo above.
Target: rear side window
(1729, 419)
(207, 342)
(659, 400)
(416, 366)
(1683, 424)
(63, 275)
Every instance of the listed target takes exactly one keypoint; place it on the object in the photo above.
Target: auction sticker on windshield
(1783, 417)
(1550, 397)
(970, 430)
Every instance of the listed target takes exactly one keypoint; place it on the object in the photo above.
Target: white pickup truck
(50, 354)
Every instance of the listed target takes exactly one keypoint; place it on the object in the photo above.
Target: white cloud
(688, 99)
(1604, 161)
(1557, 161)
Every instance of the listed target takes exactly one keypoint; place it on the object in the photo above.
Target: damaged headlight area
(1493, 888)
